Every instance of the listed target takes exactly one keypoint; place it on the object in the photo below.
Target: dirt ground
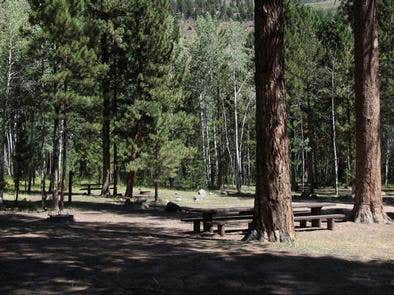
(112, 250)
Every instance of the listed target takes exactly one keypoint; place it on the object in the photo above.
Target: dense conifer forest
(142, 93)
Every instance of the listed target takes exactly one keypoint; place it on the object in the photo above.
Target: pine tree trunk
(55, 162)
(64, 164)
(115, 147)
(273, 210)
(70, 185)
(106, 147)
(130, 184)
(115, 173)
(106, 141)
(368, 203)
(156, 190)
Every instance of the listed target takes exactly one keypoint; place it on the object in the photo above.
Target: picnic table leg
(207, 224)
(316, 211)
(196, 227)
(330, 223)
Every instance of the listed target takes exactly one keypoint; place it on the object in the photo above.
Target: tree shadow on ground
(98, 208)
(100, 258)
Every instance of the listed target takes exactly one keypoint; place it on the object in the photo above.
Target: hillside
(241, 10)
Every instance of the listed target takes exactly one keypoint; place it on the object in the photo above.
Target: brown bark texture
(130, 184)
(368, 204)
(273, 210)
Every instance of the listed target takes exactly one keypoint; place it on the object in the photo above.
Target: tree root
(365, 215)
(256, 235)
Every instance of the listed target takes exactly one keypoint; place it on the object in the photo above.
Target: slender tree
(368, 204)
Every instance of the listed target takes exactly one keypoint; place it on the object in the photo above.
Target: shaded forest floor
(113, 250)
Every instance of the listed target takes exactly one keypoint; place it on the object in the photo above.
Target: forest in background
(131, 92)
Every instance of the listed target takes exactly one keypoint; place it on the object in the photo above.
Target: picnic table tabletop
(219, 210)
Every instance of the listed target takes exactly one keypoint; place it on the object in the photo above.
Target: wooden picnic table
(209, 213)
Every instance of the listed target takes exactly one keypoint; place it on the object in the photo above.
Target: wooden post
(207, 224)
(70, 185)
(330, 223)
(196, 227)
(89, 189)
(221, 229)
(316, 211)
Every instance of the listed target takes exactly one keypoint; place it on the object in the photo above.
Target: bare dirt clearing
(110, 250)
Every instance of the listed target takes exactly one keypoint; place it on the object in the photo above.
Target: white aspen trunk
(9, 151)
(244, 121)
(227, 137)
(204, 147)
(208, 151)
(60, 149)
(215, 146)
(238, 161)
(334, 140)
(249, 165)
(302, 148)
(43, 162)
(7, 95)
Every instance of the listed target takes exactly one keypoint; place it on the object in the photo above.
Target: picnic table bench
(220, 217)
(90, 187)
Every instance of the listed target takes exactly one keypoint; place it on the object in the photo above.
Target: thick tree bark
(368, 204)
(273, 219)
